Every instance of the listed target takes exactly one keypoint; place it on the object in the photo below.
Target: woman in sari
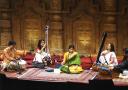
(71, 62)
(42, 58)
(108, 56)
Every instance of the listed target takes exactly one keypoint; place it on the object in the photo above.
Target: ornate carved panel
(80, 22)
(5, 37)
(109, 28)
(4, 4)
(5, 23)
(56, 26)
(56, 42)
(5, 15)
(109, 5)
(32, 32)
(32, 37)
(31, 22)
(84, 37)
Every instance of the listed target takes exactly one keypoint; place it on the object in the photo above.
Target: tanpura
(97, 66)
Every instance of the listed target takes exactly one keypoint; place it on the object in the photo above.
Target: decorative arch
(81, 30)
(84, 33)
(31, 19)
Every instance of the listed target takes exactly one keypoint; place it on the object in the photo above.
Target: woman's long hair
(39, 44)
(112, 49)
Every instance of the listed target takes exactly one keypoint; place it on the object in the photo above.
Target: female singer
(71, 62)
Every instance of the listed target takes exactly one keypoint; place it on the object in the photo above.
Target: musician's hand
(111, 67)
(44, 45)
(10, 58)
(62, 63)
(17, 58)
(94, 63)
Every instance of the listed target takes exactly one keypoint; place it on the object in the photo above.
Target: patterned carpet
(42, 75)
(36, 74)
(120, 82)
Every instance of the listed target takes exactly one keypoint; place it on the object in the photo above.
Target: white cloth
(107, 57)
(4, 65)
(39, 57)
(21, 62)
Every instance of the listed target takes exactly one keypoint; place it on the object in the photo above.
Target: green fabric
(73, 61)
(65, 69)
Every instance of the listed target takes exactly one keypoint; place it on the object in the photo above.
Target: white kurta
(104, 59)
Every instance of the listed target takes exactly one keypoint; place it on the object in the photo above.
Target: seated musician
(123, 66)
(108, 56)
(10, 59)
(41, 56)
(71, 62)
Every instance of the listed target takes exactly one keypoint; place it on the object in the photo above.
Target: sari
(72, 65)
(41, 59)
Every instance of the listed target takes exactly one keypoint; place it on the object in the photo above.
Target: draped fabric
(72, 65)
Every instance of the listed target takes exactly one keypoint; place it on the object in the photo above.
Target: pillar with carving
(108, 21)
(55, 27)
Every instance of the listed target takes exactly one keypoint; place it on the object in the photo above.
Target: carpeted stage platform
(39, 79)
(42, 75)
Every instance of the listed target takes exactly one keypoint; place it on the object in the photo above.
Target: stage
(36, 74)
(34, 78)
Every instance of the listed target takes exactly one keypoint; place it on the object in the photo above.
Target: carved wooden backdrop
(5, 23)
(78, 22)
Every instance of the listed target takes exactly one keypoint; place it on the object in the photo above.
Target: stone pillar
(56, 43)
(122, 26)
(108, 21)
(5, 24)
